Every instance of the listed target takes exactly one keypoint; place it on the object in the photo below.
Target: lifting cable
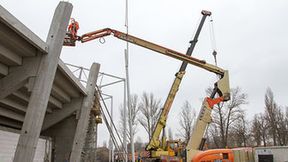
(213, 40)
(214, 53)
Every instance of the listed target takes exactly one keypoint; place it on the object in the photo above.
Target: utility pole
(129, 106)
(125, 124)
(111, 146)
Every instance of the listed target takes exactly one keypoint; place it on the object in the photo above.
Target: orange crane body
(214, 154)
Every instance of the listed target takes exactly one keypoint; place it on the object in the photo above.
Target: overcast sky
(251, 38)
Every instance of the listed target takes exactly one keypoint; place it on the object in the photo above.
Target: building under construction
(41, 97)
(49, 114)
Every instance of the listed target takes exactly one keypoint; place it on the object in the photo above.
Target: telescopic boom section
(152, 46)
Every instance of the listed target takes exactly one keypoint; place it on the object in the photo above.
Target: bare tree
(226, 114)
(270, 114)
(187, 116)
(256, 130)
(281, 127)
(214, 138)
(262, 126)
(149, 107)
(134, 113)
(240, 135)
(273, 124)
(276, 118)
(286, 124)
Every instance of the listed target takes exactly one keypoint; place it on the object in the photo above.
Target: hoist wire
(127, 32)
(126, 15)
(213, 40)
(212, 34)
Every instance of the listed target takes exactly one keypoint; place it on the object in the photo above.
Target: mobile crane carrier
(156, 148)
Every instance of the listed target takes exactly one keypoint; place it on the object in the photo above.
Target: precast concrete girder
(24, 40)
(71, 77)
(55, 102)
(10, 122)
(9, 57)
(21, 96)
(60, 94)
(18, 76)
(3, 70)
(11, 114)
(13, 105)
(58, 115)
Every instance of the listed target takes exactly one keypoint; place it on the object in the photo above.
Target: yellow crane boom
(152, 46)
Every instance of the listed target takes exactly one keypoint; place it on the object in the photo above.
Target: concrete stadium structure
(39, 95)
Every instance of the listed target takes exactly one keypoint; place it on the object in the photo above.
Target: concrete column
(36, 109)
(82, 124)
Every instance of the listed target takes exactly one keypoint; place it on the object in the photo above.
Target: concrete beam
(83, 121)
(11, 87)
(22, 30)
(58, 116)
(11, 114)
(16, 43)
(30, 84)
(58, 93)
(56, 103)
(36, 109)
(9, 57)
(66, 84)
(25, 98)
(66, 71)
(18, 76)
(3, 69)
(21, 96)
(53, 101)
(49, 110)
(12, 104)
(6, 122)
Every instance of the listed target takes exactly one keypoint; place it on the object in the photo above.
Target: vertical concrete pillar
(82, 124)
(36, 109)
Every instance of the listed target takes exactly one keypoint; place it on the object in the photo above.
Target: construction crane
(221, 87)
(154, 146)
